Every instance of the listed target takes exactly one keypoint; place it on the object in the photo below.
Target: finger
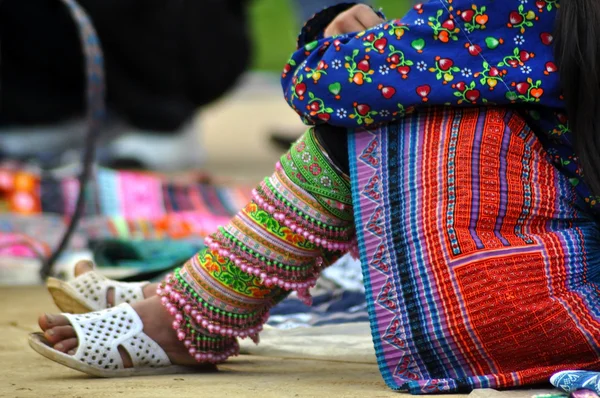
(343, 24)
(367, 17)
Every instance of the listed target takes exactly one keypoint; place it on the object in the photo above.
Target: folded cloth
(334, 307)
(573, 380)
(338, 298)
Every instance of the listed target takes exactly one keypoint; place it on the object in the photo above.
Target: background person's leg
(155, 62)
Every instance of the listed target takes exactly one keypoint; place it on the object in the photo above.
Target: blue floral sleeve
(445, 52)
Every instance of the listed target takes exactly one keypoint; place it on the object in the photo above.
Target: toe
(66, 345)
(83, 266)
(149, 289)
(59, 333)
(49, 321)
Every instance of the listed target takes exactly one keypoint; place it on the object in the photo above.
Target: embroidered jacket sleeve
(459, 53)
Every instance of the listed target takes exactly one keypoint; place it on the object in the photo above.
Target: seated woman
(442, 150)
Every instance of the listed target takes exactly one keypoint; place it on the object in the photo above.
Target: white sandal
(88, 292)
(99, 335)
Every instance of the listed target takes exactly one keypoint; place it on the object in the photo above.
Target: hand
(355, 19)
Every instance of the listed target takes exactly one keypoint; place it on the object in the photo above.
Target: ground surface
(27, 374)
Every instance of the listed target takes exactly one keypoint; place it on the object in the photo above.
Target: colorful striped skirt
(481, 264)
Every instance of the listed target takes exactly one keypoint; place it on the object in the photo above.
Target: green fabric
(307, 167)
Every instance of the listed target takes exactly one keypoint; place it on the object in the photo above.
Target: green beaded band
(300, 213)
(204, 304)
(312, 183)
(260, 257)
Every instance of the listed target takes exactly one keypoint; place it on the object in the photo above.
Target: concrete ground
(235, 131)
(27, 374)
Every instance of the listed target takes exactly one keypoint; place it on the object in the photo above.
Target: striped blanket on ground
(35, 209)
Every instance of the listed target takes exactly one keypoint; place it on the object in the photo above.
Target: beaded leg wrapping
(299, 220)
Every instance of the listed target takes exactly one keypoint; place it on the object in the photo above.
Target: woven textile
(481, 263)
(128, 205)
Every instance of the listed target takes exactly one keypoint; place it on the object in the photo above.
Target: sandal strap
(101, 333)
(93, 288)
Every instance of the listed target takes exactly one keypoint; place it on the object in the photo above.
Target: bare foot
(84, 266)
(157, 325)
